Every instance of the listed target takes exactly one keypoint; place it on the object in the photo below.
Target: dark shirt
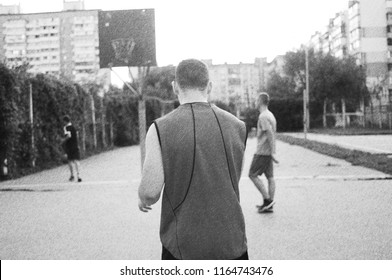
(72, 142)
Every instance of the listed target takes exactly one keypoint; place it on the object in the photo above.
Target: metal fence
(372, 117)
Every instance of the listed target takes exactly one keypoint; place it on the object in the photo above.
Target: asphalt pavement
(325, 209)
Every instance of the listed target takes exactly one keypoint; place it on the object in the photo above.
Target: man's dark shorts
(261, 165)
(72, 153)
(166, 255)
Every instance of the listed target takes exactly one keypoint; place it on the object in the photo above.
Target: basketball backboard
(127, 38)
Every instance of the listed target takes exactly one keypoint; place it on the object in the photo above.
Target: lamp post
(306, 94)
(31, 119)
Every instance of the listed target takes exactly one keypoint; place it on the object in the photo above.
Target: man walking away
(265, 154)
(71, 148)
(196, 151)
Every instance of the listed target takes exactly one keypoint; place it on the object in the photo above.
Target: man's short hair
(263, 99)
(192, 74)
(66, 119)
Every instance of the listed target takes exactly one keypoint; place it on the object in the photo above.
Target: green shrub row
(116, 117)
(288, 114)
(52, 99)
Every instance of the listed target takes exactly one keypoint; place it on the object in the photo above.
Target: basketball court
(326, 209)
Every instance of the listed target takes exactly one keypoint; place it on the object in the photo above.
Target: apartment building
(364, 30)
(334, 38)
(338, 31)
(63, 44)
(237, 83)
(316, 41)
(9, 9)
(276, 65)
(369, 21)
(326, 40)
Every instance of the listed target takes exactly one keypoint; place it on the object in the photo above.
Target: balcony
(389, 18)
(12, 24)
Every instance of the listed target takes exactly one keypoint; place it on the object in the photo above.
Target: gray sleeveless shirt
(202, 152)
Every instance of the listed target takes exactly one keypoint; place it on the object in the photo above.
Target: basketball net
(123, 48)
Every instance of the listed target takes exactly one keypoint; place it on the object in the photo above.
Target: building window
(389, 41)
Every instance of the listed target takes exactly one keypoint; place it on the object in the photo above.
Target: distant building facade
(334, 38)
(276, 65)
(339, 40)
(364, 31)
(63, 44)
(73, 5)
(238, 83)
(9, 9)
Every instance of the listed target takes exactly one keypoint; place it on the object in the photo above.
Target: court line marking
(65, 184)
(127, 182)
(324, 177)
(334, 177)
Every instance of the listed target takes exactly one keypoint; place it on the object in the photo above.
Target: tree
(330, 77)
(230, 107)
(332, 80)
(279, 86)
(159, 83)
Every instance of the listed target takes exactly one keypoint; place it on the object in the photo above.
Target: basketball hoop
(123, 48)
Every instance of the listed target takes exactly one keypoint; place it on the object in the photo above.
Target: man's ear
(209, 88)
(175, 88)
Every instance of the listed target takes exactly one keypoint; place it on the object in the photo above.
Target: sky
(224, 31)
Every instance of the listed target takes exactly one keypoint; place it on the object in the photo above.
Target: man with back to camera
(71, 148)
(265, 154)
(195, 155)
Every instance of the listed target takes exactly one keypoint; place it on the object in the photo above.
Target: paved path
(376, 144)
(326, 209)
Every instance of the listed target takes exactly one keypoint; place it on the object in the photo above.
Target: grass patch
(378, 162)
(351, 131)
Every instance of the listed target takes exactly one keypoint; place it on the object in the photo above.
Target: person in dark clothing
(71, 148)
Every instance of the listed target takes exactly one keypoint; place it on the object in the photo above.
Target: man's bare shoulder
(264, 116)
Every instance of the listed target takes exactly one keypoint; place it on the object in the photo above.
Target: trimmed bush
(52, 99)
(288, 114)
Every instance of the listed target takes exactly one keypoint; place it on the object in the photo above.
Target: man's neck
(192, 98)
(263, 109)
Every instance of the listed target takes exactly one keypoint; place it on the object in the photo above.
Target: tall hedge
(10, 117)
(52, 99)
(288, 114)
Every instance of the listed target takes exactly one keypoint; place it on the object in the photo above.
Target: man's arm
(67, 133)
(271, 142)
(153, 176)
(266, 126)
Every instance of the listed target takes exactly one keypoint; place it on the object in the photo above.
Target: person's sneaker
(71, 178)
(268, 204)
(269, 210)
(79, 180)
